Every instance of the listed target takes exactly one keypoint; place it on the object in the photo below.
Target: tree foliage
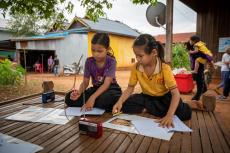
(32, 17)
(10, 73)
(44, 8)
(48, 8)
(30, 25)
(180, 56)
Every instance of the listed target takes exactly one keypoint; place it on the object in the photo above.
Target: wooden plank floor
(208, 135)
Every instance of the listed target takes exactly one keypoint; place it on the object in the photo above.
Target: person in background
(225, 75)
(200, 46)
(50, 63)
(208, 75)
(224, 69)
(56, 65)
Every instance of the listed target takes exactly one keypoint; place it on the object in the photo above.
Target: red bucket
(184, 82)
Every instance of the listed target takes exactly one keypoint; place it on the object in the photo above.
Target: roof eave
(36, 39)
(115, 33)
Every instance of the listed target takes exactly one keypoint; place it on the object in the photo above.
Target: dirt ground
(63, 83)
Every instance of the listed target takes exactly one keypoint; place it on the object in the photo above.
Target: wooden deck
(208, 135)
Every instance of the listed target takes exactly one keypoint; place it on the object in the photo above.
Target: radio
(48, 96)
(90, 128)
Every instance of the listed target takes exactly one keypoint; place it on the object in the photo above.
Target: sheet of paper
(39, 114)
(55, 118)
(13, 145)
(123, 122)
(76, 111)
(31, 114)
(148, 127)
(179, 126)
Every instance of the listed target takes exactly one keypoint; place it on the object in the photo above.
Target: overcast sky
(134, 16)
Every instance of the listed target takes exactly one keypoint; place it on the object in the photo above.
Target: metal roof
(50, 35)
(110, 26)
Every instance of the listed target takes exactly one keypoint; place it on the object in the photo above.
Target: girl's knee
(185, 113)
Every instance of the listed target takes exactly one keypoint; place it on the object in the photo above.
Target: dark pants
(157, 106)
(200, 83)
(226, 86)
(105, 101)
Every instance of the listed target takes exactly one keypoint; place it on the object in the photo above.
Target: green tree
(10, 73)
(49, 8)
(180, 56)
(30, 25)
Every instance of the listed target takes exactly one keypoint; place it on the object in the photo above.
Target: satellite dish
(155, 14)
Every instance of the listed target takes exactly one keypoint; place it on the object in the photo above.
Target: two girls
(160, 95)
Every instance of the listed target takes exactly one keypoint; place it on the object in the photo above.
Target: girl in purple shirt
(101, 68)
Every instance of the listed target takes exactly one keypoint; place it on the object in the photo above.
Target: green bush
(11, 73)
(180, 56)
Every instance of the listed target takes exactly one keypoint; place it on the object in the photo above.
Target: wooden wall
(213, 22)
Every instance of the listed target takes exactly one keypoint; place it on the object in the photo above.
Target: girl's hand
(74, 95)
(166, 121)
(89, 104)
(117, 108)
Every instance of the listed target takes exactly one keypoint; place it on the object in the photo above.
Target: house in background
(7, 48)
(177, 37)
(75, 41)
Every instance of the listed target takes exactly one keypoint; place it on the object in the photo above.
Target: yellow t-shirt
(202, 48)
(158, 84)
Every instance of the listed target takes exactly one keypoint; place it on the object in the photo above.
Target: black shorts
(157, 106)
(105, 101)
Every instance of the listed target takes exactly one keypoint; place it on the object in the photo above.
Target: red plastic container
(184, 83)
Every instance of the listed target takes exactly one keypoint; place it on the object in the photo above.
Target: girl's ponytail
(110, 52)
(149, 43)
(160, 51)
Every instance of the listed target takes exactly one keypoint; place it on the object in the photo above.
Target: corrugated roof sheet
(51, 35)
(110, 26)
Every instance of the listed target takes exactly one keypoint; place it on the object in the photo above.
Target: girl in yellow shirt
(200, 47)
(160, 95)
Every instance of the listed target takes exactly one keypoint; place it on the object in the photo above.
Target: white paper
(31, 114)
(76, 111)
(54, 118)
(13, 145)
(39, 114)
(145, 126)
(148, 127)
(179, 126)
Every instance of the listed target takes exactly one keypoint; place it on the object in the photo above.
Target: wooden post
(25, 66)
(24, 45)
(169, 31)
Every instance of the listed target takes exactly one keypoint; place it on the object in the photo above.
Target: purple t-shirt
(98, 74)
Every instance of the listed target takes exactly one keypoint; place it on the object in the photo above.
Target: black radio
(48, 96)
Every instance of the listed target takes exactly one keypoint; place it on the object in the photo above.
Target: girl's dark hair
(149, 43)
(189, 46)
(103, 39)
(195, 38)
